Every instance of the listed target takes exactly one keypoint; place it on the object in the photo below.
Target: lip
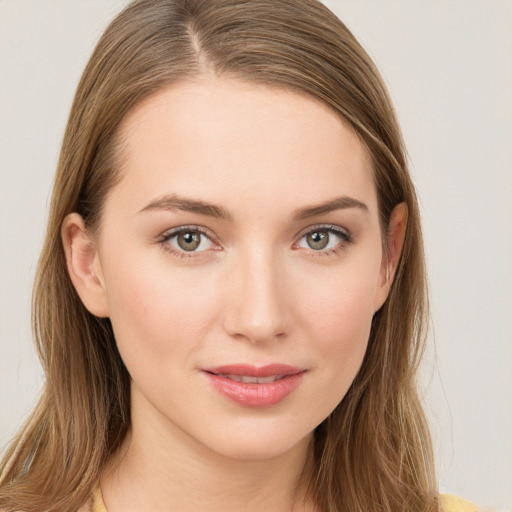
(255, 394)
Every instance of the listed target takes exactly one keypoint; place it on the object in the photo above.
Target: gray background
(448, 65)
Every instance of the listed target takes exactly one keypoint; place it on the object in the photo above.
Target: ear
(391, 257)
(84, 265)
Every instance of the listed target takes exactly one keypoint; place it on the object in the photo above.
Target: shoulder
(451, 503)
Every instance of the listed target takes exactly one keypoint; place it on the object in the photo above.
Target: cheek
(341, 303)
(158, 314)
(339, 314)
(343, 321)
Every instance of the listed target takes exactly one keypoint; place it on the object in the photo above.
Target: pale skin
(256, 289)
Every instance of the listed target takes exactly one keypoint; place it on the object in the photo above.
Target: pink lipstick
(253, 386)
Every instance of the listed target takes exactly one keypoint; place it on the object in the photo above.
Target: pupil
(189, 241)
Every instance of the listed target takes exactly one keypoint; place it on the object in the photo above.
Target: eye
(324, 239)
(188, 240)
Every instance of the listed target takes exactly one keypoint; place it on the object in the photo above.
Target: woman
(230, 304)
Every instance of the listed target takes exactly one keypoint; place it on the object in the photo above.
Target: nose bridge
(256, 303)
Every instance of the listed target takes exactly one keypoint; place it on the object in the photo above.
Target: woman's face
(240, 262)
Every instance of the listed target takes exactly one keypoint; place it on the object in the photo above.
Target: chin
(254, 444)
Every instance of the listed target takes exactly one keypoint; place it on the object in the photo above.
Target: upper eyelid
(201, 229)
(327, 227)
(205, 230)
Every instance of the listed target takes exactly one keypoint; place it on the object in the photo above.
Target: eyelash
(345, 236)
(163, 241)
(169, 235)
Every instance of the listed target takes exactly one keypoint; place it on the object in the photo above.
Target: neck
(162, 469)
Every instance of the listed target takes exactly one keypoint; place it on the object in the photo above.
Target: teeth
(252, 380)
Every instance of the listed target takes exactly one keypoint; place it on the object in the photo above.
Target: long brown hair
(373, 453)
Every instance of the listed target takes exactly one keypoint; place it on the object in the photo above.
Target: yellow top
(449, 503)
(97, 502)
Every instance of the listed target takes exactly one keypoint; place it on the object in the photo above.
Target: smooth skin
(255, 274)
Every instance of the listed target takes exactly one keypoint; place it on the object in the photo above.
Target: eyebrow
(338, 203)
(175, 202)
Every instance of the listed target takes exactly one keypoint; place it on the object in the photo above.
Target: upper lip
(255, 371)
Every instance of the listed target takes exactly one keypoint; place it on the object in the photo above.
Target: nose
(256, 299)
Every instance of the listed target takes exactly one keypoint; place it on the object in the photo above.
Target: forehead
(230, 139)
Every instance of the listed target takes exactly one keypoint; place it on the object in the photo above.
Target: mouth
(249, 379)
(250, 374)
(252, 386)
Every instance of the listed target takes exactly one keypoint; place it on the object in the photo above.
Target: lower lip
(255, 395)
